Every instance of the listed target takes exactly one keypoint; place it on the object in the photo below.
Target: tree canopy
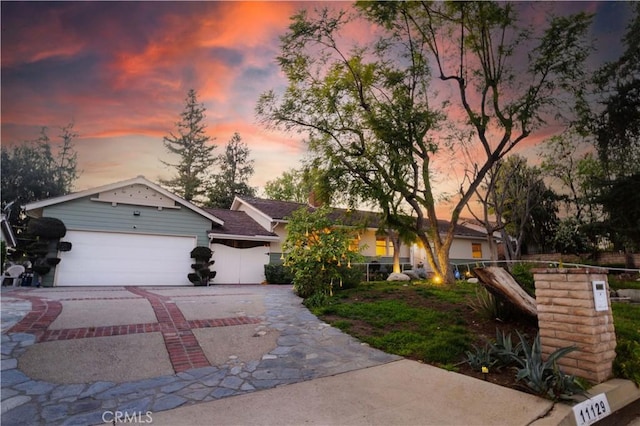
(192, 145)
(233, 178)
(36, 170)
(373, 112)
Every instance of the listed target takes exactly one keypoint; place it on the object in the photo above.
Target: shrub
(278, 274)
(627, 362)
(41, 269)
(201, 253)
(48, 228)
(64, 246)
(317, 252)
(544, 378)
(203, 274)
(481, 357)
(484, 304)
(52, 261)
(523, 275)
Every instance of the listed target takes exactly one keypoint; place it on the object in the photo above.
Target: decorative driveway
(79, 353)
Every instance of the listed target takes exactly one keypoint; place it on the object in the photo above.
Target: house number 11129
(590, 411)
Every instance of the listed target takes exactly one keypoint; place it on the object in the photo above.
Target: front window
(381, 246)
(476, 250)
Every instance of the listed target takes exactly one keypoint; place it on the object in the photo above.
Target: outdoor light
(136, 212)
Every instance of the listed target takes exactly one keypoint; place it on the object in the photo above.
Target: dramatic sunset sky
(121, 70)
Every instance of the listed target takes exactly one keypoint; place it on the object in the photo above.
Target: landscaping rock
(395, 276)
(412, 275)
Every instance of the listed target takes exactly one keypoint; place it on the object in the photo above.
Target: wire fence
(552, 264)
(375, 271)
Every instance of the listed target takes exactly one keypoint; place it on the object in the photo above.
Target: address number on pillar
(590, 411)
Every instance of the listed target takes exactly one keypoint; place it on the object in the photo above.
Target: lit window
(381, 246)
(476, 250)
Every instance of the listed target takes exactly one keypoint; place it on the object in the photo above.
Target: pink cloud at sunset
(121, 70)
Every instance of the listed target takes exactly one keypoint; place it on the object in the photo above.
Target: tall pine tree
(235, 170)
(192, 145)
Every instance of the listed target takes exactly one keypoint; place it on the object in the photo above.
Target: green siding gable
(86, 215)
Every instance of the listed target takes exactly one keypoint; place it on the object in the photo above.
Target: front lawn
(437, 325)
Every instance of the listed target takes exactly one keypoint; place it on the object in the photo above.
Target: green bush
(523, 275)
(203, 274)
(201, 253)
(627, 362)
(52, 261)
(41, 269)
(278, 274)
(318, 252)
(47, 228)
(64, 246)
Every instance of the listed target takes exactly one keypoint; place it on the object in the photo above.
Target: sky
(120, 71)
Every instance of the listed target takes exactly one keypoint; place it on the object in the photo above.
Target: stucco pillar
(567, 316)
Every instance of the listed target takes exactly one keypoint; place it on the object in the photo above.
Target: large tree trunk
(500, 283)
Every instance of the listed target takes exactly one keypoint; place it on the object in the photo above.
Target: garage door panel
(100, 258)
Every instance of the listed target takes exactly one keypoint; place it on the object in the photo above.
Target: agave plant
(544, 377)
(481, 357)
(504, 349)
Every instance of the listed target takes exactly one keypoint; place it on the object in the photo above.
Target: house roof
(137, 180)
(275, 210)
(238, 225)
(280, 211)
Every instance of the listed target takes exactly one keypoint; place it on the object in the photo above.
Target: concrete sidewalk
(398, 393)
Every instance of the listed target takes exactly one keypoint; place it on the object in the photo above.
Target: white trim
(235, 206)
(137, 180)
(213, 235)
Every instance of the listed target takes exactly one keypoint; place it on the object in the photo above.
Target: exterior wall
(567, 316)
(461, 251)
(367, 240)
(86, 215)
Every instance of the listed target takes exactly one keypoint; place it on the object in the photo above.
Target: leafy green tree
(31, 171)
(617, 124)
(235, 170)
(318, 252)
(369, 110)
(191, 145)
(617, 131)
(288, 187)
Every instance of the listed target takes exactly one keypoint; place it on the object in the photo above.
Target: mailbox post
(574, 310)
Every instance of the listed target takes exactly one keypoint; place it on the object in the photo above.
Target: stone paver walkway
(306, 349)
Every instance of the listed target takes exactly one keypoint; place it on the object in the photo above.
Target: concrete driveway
(220, 355)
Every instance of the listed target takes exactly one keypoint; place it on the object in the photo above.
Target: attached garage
(108, 258)
(132, 232)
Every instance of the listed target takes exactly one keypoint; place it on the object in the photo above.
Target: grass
(396, 326)
(616, 283)
(626, 319)
(435, 324)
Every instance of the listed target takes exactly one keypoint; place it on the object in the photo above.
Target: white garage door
(116, 259)
(239, 265)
